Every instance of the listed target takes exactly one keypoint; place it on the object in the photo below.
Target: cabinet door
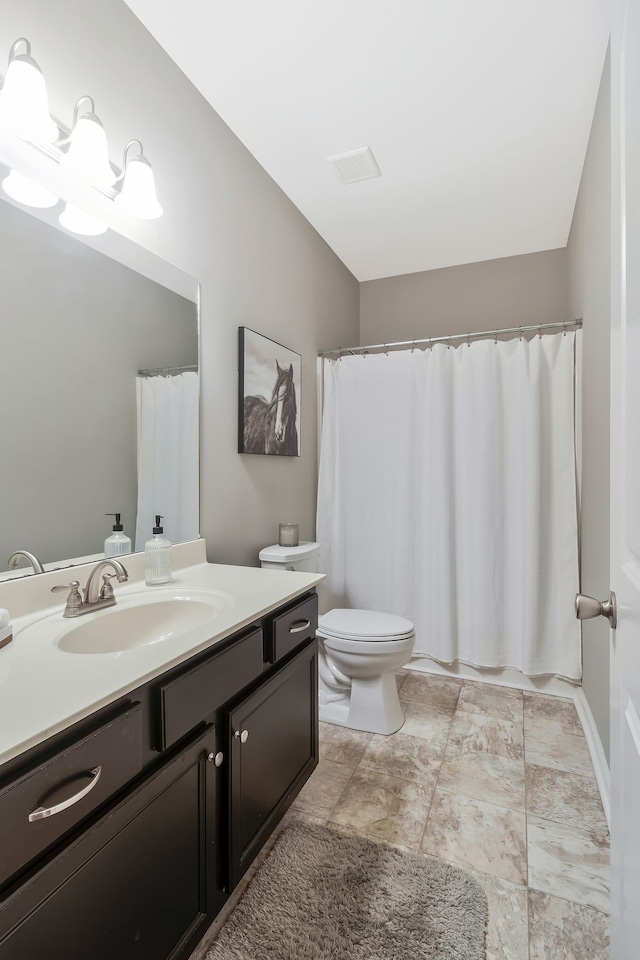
(273, 745)
(136, 886)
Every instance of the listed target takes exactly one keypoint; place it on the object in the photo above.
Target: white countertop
(44, 689)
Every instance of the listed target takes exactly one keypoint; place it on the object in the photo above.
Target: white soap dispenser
(157, 557)
(118, 544)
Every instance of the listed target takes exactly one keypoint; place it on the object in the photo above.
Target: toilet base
(371, 704)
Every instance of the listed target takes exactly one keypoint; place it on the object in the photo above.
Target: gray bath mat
(324, 895)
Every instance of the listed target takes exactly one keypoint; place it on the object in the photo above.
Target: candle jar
(288, 534)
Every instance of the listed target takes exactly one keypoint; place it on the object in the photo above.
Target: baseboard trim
(596, 750)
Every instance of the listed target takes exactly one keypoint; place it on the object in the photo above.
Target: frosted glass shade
(138, 195)
(28, 192)
(88, 154)
(77, 221)
(24, 106)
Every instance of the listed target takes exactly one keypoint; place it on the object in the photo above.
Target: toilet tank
(302, 557)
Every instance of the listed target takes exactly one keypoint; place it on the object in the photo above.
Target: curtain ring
(496, 339)
(564, 329)
(386, 350)
(430, 343)
(520, 329)
(413, 347)
(468, 339)
(540, 332)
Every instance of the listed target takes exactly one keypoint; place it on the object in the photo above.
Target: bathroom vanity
(128, 817)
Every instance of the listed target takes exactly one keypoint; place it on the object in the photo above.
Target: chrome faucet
(94, 598)
(14, 560)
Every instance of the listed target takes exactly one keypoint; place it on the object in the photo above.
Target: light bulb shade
(24, 106)
(28, 192)
(137, 197)
(88, 154)
(77, 221)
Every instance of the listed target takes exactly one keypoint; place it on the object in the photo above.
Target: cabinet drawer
(48, 801)
(293, 628)
(193, 695)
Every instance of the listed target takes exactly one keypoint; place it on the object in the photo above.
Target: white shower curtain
(168, 457)
(447, 494)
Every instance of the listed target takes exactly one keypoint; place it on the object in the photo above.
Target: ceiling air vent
(355, 165)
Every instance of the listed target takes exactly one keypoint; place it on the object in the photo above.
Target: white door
(625, 480)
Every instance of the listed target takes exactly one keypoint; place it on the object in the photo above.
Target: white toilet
(360, 652)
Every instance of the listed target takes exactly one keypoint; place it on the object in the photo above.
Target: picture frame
(269, 396)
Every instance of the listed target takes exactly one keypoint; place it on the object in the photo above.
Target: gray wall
(259, 262)
(76, 326)
(513, 291)
(589, 251)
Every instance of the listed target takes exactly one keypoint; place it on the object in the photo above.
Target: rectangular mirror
(76, 328)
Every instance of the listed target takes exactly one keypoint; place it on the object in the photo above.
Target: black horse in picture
(270, 426)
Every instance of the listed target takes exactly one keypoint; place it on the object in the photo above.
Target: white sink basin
(118, 629)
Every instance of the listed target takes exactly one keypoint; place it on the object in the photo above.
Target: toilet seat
(364, 626)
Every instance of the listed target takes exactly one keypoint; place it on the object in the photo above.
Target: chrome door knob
(588, 607)
(242, 736)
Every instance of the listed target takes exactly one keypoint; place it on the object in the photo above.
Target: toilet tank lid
(277, 554)
(364, 623)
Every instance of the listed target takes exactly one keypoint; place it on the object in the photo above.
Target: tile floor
(493, 780)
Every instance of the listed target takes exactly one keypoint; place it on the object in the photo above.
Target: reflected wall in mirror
(76, 326)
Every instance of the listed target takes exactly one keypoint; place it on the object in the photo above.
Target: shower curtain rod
(165, 371)
(533, 328)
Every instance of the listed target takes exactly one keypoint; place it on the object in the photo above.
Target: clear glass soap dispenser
(118, 544)
(157, 557)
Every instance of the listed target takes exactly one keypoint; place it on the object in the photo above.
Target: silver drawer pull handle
(41, 813)
(299, 626)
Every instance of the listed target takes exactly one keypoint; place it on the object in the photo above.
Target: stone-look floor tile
(507, 929)
(425, 722)
(400, 677)
(560, 752)
(552, 716)
(439, 692)
(569, 862)
(478, 835)
(324, 788)
(471, 731)
(564, 797)
(561, 930)
(490, 700)
(409, 758)
(384, 807)
(484, 776)
(342, 745)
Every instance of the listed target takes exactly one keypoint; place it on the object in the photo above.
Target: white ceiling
(478, 114)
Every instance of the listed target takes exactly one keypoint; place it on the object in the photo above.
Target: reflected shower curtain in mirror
(168, 457)
(447, 494)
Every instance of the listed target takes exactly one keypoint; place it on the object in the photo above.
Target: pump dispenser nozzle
(117, 525)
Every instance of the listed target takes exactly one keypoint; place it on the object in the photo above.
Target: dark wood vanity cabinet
(273, 745)
(202, 761)
(138, 884)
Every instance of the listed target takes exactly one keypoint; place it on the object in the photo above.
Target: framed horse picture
(270, 390)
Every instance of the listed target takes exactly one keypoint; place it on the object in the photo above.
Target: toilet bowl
(359, 654)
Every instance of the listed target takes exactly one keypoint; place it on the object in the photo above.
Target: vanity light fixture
(27, 191)
(24, 106)
(137, 197)
(81, 154)
(88, 153)
(79, 221)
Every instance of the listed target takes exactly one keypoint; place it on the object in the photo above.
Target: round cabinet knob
(242, 736)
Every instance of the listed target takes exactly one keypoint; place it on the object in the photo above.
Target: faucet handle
(106, 590)
(74, 600)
